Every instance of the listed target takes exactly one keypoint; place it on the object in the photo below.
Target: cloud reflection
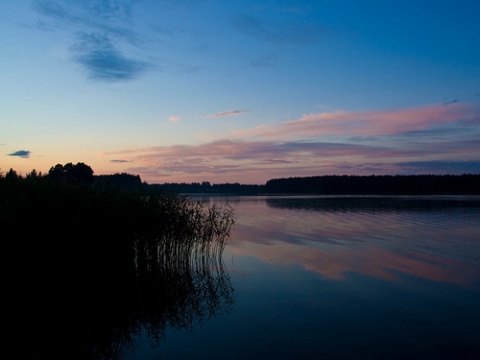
(385, 244)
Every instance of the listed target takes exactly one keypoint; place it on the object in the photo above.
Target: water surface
(341, 278)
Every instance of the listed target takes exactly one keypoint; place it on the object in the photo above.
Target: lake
(337, 278)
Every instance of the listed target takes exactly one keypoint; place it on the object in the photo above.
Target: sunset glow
(194, 91)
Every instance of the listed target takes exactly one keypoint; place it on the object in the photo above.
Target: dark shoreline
(466, 184)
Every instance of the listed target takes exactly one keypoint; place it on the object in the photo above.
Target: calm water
(340, 278)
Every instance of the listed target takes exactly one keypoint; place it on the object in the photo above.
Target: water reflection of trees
(86, 272)
(86, 307)
(374, 203)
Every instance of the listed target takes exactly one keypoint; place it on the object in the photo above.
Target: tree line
(82, 174)
(341, 184)
(377, 184)
(79, 174)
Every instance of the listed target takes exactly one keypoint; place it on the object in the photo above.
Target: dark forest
(342, 184)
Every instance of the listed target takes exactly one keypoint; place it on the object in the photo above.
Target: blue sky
(240, 91)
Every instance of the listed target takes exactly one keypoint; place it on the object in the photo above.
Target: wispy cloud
(450, 102)
(262, 153)
(227, 113)
(295, 31)
(174, 118)
(21, 153)
(265, 62)
(441, 167)
(241, 160)
(104, 61)
(99, 29)
(387, 142)
(108, 17)
(366, 123)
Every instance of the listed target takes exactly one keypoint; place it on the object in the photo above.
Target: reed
(172, 228)
(95, 267)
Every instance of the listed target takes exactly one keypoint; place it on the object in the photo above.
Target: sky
(229, 91)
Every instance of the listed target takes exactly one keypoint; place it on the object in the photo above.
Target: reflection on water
(299, 278)
(374, 204)
(100, 308)
(347, 278)
(434, 239)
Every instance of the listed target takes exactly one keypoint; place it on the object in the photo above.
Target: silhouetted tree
(78, 174)
(33, 175)
(11, 175)
(121, 181)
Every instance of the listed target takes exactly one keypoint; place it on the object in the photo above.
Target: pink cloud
(227, 113)
(174, 118)
(366, 123)
(257, 162)
(372, 143)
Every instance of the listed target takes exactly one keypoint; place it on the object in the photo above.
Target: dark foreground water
(337, 278)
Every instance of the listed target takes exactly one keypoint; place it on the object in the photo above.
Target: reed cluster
(95, 266)
(174, 228)
(158, 227)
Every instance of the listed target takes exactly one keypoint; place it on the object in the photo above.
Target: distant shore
(466, 184)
